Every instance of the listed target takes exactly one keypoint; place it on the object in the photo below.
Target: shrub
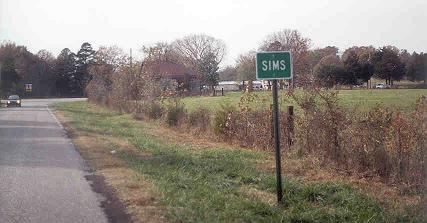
(174, 111)
(306, 121)
(200, 119)
(153, 109)
(376, 124)
(221, 119)
(374, 142)
(252, 128)
(333, 121)
(417, 170)
(381, 142)
(98, 90)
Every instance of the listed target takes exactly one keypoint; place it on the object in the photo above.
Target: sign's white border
(271, 52)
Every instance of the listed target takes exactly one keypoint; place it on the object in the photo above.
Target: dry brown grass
(266, 197)
(135, 192)
(309, 169)
(186, 137)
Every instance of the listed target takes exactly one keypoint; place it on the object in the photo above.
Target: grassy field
(199, 183)
(395, 98)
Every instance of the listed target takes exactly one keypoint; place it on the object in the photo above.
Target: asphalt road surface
(42, 176)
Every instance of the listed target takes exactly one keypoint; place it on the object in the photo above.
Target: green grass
(403, 99)
(210, 185)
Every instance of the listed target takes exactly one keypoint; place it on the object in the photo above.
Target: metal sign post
(277, 143)
(275, 66)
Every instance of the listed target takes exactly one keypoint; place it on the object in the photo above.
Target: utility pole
(1, 93)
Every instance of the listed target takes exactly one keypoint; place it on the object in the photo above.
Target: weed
(221, 119)
(208, 185)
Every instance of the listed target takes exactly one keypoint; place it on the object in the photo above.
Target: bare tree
(45, 66)
(161, 51)
(109, 60)
(246, 68)
(195, 50)
(45, 56)
(228, 73)
(293, 41)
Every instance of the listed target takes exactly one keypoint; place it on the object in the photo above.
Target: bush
(98, 90)
(253, 128)
(174, 111)
(153, 109)
(375, 142)
(417, 170)
(221, 119)
(371, 131)
(306, 122)
(200, 119)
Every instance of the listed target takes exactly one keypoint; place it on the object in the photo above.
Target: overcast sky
(242, 24)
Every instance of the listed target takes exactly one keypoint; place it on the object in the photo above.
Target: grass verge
(402, 99)
(215, 184)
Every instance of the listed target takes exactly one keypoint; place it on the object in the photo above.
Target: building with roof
(228, 86)
(173, 73)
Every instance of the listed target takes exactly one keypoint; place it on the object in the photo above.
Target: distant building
(174, 73)
(228, 86)
(256, 85)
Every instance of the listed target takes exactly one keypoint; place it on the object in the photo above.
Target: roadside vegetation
(384, 141)
(357, 155)
(68, 74)
(219, 183)
(365, 137)
(400, 99)
(153, 128)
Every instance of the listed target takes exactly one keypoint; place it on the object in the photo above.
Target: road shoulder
(129, 197)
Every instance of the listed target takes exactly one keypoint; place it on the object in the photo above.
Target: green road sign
(273, 65)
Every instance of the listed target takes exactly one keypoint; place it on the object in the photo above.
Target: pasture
(401, 99)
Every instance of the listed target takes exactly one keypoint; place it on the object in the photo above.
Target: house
(174, 74)
(228, 86)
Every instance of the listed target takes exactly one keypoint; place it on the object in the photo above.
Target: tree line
(68, 74)
(328, 67)
(63, 76)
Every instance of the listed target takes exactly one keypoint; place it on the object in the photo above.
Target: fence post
(290, 124)
(222, 91)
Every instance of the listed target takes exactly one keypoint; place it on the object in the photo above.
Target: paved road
(42, 177)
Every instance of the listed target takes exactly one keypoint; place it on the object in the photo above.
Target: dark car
(14, 100)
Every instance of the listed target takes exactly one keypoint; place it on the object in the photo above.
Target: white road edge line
(85, 166)
(55, 118)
